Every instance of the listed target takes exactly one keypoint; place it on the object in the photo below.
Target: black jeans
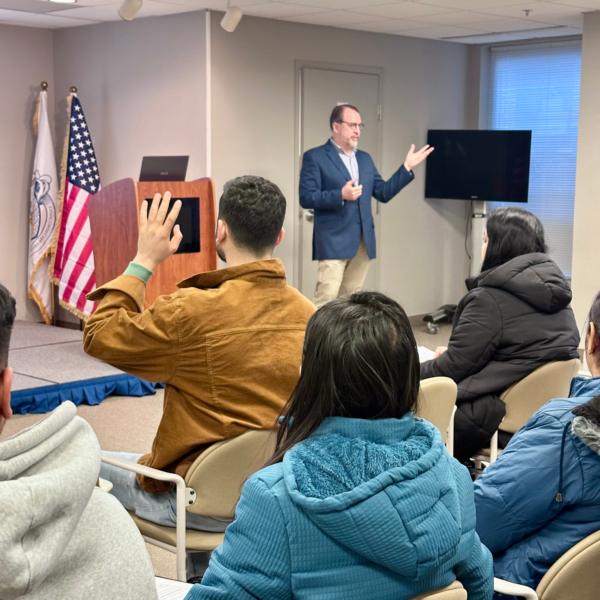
(475, 423)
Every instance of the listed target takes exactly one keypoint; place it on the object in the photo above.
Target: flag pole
(44, 86)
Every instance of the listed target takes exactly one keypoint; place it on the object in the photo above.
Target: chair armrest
(514, 589)
(104, 485)
(183, 497)
(109, 459)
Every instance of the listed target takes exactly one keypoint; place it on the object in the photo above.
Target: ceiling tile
(342, 4)
(457, 18)
(499, 24)
(32, 6)
(589, 4)
(569, 19)
(537, 9)
(157, 8)
(214, 4)
(437, 33)
(110, 12)
(402, 10)
(278, 10)
(93, 3)
(48, 21)
(476, 5)
(490, 38)
(105, 12)
(388, 26)
(335, 18)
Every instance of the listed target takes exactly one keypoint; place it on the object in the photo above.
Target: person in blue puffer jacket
(361, 499)
(542, 495)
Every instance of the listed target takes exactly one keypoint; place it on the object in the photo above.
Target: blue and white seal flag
(44, 193)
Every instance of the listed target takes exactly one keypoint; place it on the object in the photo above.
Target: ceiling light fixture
(232, 18)
(64, 1)
(129, 9)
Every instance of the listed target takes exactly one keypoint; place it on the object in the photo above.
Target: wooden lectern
(114, 216)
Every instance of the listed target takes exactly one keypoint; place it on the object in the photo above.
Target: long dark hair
(512, 232)
(594, 317)
(360, 360)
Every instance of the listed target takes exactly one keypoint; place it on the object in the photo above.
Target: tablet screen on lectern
(189, 222)
(164, 168)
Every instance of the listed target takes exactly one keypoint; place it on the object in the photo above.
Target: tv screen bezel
(473, 197)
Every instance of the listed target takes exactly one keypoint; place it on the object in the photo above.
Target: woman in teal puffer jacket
(361, 499)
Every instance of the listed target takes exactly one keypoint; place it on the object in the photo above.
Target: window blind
(536, 86)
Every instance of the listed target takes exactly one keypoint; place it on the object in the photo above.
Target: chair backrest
(219, 473)
(437, 397)
(454, 591)
(575, 574)
(527, 396)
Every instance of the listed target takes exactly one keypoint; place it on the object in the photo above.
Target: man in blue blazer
(337, 181)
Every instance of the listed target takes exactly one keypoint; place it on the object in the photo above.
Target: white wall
(142, 85)
(422, 258)
(25, 61)
(586, 247)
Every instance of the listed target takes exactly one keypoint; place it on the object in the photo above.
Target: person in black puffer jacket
(514, 318)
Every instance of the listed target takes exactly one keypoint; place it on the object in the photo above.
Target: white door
(321, 90)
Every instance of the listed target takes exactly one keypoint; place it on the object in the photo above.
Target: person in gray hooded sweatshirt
(60, 536)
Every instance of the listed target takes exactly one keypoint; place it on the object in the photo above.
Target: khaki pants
(342, 277)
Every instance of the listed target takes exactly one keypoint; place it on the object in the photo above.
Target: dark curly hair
(254, 210)
(8, 313)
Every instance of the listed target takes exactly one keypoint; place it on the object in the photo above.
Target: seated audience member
(228, 344)
(60, 536)
(542, 495)
(514, 319)
(361, 499)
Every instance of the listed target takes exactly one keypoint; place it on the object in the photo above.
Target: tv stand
(477, 216)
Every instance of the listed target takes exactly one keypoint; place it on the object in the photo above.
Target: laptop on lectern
(164, 168)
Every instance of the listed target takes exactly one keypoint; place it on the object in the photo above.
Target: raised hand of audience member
(414, 158)
(439, 351)
(155, 244)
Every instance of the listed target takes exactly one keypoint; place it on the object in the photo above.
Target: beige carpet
(129, 424)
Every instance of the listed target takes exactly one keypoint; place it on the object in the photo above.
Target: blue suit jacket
(339, 224)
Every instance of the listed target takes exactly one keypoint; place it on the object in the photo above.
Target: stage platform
(50, 367)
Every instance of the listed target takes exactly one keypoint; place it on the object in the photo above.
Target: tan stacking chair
(212, 488)
(526, 397)
(437, 404)
(575, 575)
(214, 482)
(454, 591)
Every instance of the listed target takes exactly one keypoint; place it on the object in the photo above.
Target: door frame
(298, 211)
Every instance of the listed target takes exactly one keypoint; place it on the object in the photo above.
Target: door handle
(310, 215)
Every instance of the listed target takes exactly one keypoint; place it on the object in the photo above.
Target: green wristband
(138, 271)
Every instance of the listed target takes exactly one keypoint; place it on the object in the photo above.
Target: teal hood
(385, 489)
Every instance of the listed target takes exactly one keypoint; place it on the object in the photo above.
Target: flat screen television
(478, 165)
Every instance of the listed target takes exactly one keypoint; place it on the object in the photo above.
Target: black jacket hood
(534, 278)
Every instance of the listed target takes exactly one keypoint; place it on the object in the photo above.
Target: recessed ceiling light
(64, 1)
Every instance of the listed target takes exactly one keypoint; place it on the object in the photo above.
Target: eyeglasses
(359, 126)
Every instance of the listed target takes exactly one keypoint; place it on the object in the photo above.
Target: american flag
(74, 259)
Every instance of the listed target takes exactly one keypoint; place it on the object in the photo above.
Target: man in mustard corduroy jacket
(228, 344)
